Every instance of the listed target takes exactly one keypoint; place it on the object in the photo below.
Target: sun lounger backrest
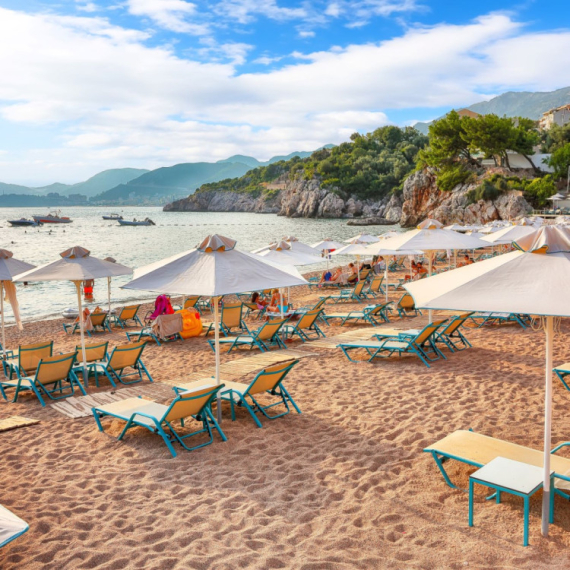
(455, 324)
(98, 319)
(93, 352)
(129, 312)
(358, 288)
(269, 377)
(376, 284)
(232, 315)
(377, 309)
(126, 355)
(407, 302)
(427, 331)
(29, 355)
(191, 302)
(307, 320)
(190, 403)
(320, 303)
(364, 274)
(270, 329)
(55, 368)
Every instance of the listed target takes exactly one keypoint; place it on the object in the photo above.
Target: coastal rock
(393, 209)
(331, 206)
(369, 222)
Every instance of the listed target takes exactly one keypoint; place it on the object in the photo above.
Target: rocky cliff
(307, 199)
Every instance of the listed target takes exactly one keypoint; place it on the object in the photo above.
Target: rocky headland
(419, 199)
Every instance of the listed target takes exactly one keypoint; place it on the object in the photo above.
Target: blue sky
(97, 84)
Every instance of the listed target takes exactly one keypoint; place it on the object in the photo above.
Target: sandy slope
(344, 485)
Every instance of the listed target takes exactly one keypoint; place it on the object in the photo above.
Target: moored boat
(135, 222)
(23, 222)
(52, 218)
(113, 217)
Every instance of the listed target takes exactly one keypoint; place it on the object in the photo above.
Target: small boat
(24, 222)
(113, 217)
(52, 218)
(70, 313)
(135, 222)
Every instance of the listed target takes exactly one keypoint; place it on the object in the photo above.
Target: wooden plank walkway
(80, 407)
(14, 422)
(244, 366)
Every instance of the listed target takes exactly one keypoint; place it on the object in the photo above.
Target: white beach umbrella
(362, 238)
(327, 245)
(526, 281)
(11, 526)
(455, 228)
(284, 254)
(389, 234)
(378, 249)
(76, 265)
(295, 245)
(509, 235)
(355, 248)
(213, 269)
(429, 238)
(9, 268)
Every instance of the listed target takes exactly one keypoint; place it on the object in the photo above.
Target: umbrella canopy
(526, 281)
(456, 228)
(362, 238)
(283, 253)
(387, 235)
(11, 526)
(327, 245)
(213, 269)
(355, 248)
(77, 265)
(557, 197)
(295, 245)
(509, 235)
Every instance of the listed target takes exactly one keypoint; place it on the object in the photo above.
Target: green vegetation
(535, 190)
(370, 166)
(560, 160)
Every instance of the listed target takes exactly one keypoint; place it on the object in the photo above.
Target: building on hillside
(558, 116)
(468, 113)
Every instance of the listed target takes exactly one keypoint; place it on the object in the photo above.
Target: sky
(90, 85)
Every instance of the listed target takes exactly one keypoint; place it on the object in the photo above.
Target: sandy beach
(344, 485)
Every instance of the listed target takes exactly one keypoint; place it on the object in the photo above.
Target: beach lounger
(305, 326)
(355, 294)
(364, 274)
(99, 323)
(262, 338)
(478, 450)
(137, 412)
(421, 343)
(375, 287)
(562, 371)
(451, 336)
(127, 314)
(406, 306)
(269, 381)
(253, 310)
(481, 319)
(396, 265)
(95, 354)
(26, 361)
(11, 526)
(231, 318)
(372, 314)
(124, 357)
(192, 302)
(54, 375)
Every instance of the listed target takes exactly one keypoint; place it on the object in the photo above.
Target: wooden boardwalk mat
(80, 407)
(14, 422)
(244, 366)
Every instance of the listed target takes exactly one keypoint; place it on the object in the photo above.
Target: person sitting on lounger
(335, 279)
(277, 304)
(466, 261)
(420, 269)
(352, 273)
(325, 277)
(259, 300)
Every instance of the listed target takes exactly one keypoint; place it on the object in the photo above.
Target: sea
(135, 247)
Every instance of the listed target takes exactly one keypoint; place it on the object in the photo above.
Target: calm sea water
(137, 246)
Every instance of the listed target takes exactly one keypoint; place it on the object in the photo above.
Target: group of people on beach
(276, 304)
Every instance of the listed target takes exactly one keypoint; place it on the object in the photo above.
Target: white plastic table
(514, 477)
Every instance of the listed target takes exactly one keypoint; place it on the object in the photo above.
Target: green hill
(170, 181)
(517, 104)
(105, 181)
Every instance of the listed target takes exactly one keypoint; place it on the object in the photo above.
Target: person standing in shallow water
(88, 286)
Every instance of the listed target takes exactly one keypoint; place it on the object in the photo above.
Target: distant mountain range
(517, 104)
(136, 186)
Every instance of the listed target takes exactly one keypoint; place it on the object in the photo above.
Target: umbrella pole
(81, 329)
(109, 296)
(386, 278)
(430, 261)
(547, 426)
(217, 351)
(2, 310)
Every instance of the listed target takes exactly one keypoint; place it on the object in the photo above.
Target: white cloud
(306, 34)
(173, 15)
(87, 6)
(245, 11)
(113, 101)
